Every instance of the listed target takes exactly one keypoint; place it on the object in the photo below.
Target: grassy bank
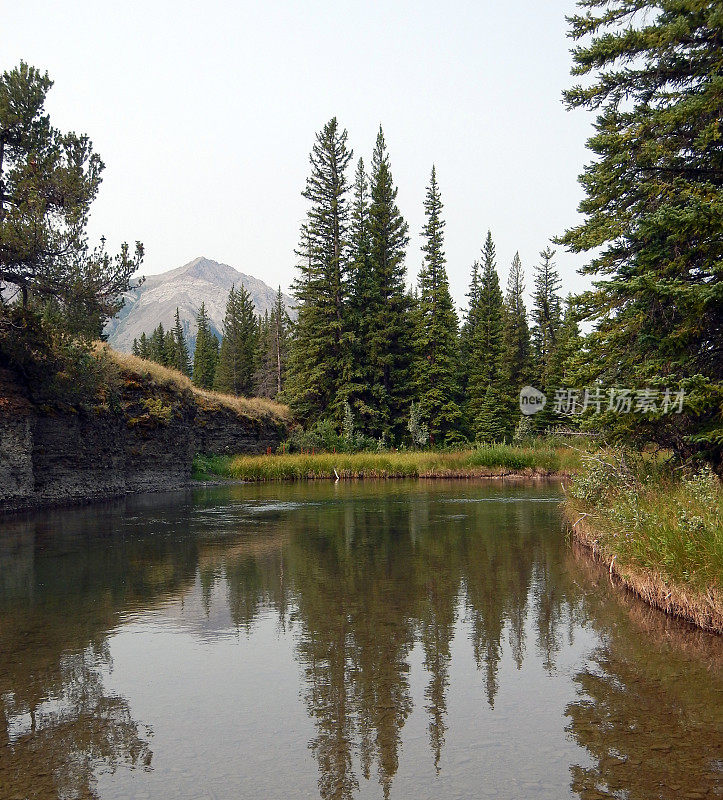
(659, 530)
(483, 462)
(128, 367)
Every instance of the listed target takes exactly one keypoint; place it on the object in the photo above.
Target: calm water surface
(395, 640)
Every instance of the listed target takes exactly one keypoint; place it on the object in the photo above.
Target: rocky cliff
(144, 440)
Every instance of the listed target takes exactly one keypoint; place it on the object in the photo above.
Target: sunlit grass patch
(394, 464)
(165, 377)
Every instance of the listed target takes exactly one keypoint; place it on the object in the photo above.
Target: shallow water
(393, 639)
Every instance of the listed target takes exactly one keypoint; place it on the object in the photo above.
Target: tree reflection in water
(362, 576)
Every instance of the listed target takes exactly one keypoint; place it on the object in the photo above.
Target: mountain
(201, 280)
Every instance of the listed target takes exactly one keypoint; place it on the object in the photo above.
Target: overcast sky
(204, 114)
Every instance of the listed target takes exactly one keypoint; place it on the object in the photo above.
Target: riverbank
(138, 433)
(484, 462)
(658, 533)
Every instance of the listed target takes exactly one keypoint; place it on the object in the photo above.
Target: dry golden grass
(174, 380)
(702, 607)
(499, 460)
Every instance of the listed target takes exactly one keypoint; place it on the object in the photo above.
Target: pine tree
(517, 358)
(264, 377)
(492, 421)
(272, 350)
(135, 349)
(316, 367)
(169, 350)
(546, 318)
(48, 181)
(469, 326)
(389, 352)
(205, 355)
(237, 357)
(180, 358)
(487, 409)
(280, 327)
(157, 346)
(362, 299)
(143, 346)
(436, 367)
(654, 210)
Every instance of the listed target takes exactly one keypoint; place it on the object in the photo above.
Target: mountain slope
(201, 280)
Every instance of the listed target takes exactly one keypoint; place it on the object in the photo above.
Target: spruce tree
(205, 355)
(143, 346)
(362, 300)
(389, 335)
(471, 316)
(493, 420)
(237, 357)
(436, 367)
(280, 331)
(653, 210)
(264, 376)
(488, 410)
(546, 318)
(181, 360)
(316, 364)
(135, 349)
(517, 356)
(157, 345)
(168, 356)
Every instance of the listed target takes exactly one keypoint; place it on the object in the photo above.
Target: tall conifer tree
(362, 300)
(389, 351)
(264, 378)
(517, 355)
(181, 360)
(273, 349)
(437, 359)
(546, 318)
(467, 333)
(654, 209)
(143, 346)
(157, 345)
(316, 363)
(488, 412)
(237, 357)
(205, 355)
(280, 326)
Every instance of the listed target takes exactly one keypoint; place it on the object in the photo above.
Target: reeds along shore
(703, 609)
(659, 530)
(484, 462)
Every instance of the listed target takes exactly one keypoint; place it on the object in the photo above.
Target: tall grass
(650, 517)
(496, 460)
(175, 380)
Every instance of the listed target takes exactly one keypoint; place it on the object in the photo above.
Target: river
(399, 639)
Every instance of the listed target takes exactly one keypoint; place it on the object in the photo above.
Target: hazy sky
(204, 114)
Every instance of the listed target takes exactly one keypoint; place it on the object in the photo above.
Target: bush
(324, 438)
(54, 367)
